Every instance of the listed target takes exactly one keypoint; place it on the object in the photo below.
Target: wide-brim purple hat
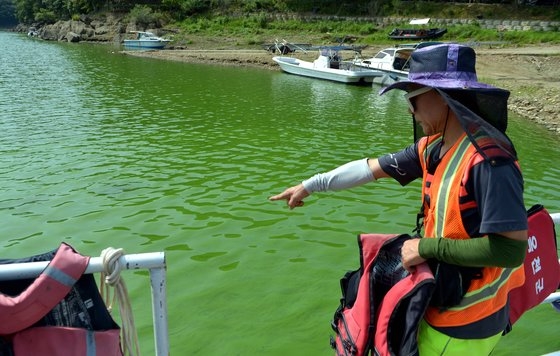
(450, 69)
(445, 66)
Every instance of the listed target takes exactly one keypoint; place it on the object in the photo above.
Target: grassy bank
(256, 29)
(245, 25)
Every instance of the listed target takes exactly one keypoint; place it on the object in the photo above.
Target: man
(473, 215)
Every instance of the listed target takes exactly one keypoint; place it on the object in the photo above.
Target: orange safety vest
(442, 219)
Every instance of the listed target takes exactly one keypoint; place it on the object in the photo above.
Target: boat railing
(154, 262)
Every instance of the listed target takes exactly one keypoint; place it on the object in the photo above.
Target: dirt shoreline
(532, 74)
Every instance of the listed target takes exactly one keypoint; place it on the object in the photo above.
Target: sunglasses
(411, 95)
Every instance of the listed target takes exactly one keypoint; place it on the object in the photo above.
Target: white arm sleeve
(346, 176)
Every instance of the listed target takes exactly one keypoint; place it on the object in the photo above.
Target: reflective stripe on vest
(443, 220)
(90, 343)
(46, 291)
(451, 170)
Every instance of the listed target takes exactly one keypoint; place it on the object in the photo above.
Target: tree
(7, 13)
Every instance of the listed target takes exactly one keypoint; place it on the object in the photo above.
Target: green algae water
(99, 149)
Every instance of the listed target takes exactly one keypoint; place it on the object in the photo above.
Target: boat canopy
(419, 21)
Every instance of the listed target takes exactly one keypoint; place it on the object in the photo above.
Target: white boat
(32, 32)
(146, 40)
(329, 66)
(392, 61)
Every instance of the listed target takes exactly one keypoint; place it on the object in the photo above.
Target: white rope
(111, 276)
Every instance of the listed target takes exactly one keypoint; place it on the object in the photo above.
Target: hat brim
(441, 84)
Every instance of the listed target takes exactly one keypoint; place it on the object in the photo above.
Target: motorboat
(417, 34)
(33, 32)
(392, 61)
(329, 66)
(145, 40)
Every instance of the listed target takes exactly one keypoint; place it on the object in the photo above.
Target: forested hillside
(50, 11)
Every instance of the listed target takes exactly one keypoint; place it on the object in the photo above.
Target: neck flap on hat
(483, 116)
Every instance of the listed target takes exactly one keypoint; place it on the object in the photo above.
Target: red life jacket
(24, 310)
(542, 268)
(58, 313)
(382, 304)
(64, 341)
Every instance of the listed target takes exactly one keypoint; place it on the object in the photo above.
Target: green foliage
(555, 14)
(258, 5)
(263, 20)
(261, 26)
(45, 16)
(7, 13)
(531, 37)
(257, 20)
(143, 15)
(25, 11)
(185, 8)
(28, 11)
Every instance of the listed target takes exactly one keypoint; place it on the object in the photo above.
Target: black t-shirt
(496, 188)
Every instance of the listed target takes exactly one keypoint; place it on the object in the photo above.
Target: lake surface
(99, 149)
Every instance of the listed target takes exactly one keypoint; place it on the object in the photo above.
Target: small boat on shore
(145, 40)
(33, 32)
(417, 34)
(285, 47)
(329, 66)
